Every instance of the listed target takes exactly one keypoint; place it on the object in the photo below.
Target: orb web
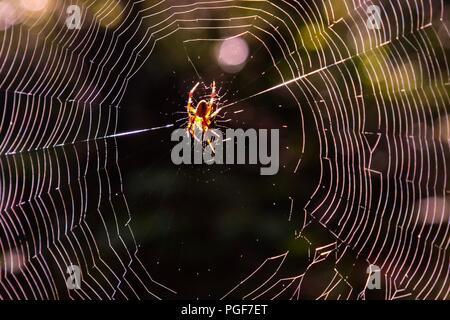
(378, 99)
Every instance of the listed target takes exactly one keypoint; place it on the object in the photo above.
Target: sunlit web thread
(445, 101)
(359, 96)
(54, 237)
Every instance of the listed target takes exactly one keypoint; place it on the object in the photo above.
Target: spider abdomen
(202, 109)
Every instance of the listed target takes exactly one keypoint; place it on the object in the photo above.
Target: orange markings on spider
(202, 116)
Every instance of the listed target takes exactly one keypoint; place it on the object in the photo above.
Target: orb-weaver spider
(203, 115)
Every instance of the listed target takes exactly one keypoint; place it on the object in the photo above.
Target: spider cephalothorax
(202, 116)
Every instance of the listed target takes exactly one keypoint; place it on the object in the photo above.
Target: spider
(203, 115)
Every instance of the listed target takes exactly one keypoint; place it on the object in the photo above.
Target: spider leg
(216, 134)
(213, 94)
(191, 93)
(182, 119)
(191, 131)
(215, 112)
(189, 107)
(221, 116)
(224, 120)
(211, 146)
(195, 137)
(209, 141)
(192, 127)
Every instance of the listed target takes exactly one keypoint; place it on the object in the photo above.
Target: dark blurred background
(365, 107)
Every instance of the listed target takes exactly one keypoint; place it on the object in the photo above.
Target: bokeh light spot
(233, 54)
(34, 5)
